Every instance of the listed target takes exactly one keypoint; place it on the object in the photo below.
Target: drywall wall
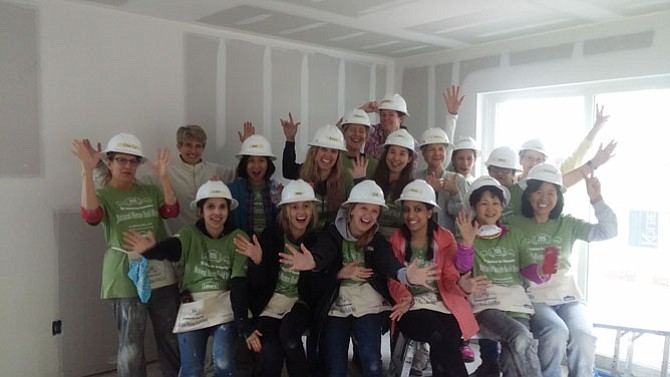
(89, 72)
(636, 47)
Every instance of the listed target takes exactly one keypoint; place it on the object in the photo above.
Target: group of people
(356, 243)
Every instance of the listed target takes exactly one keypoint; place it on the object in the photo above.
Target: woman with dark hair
(489, 249)
(561, 322)
(395, 170)
(354, 261)
(280, 299)
(254, 187)
(322, 167)
(213, 287)
(439, 313)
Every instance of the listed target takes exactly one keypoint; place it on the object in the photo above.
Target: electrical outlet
(56, 327)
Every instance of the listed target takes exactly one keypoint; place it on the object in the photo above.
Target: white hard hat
(256, 145)
(533, 145)
(297, 191)
(400, 137)
(420, 191)
(126, 144)
(394, 102)
(434, 135)
(367, 192)
(484, 181)
(329, 136)
(503, 157)
(356, 116)
(545, 173)
(466, 142)
(214, 189)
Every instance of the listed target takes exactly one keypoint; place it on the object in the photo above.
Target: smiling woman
(254, 187)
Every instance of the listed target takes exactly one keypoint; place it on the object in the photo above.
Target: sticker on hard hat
(375, 194)
(128, 145)
(299, 193)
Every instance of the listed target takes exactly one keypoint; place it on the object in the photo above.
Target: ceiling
(391, 28)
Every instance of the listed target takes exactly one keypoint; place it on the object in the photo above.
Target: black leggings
(282, 338)
(443, 334)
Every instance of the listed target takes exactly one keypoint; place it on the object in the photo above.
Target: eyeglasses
(127, 161)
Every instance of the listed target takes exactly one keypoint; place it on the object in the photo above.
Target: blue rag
(138, 272)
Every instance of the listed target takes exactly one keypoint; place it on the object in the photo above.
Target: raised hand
(133, 240)
(420, 275)
(160, 165)
(604, 154)
(254, 341)
(290, 128)
(370, 107)
(470, 284)
(467, 227)
(453, 99)
(354, 271)
(252, 249)
(359, 167)
(593, 188)
(87, 155)
(249, 130)
(435, 182)
(601, 118)
(449, 184)
(402, 307)
(298, 261)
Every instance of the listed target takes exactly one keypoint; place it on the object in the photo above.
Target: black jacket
(262, 278)
(327, 254)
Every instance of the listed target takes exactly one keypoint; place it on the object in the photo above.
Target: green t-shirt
(420, 254)
(349, 254)
(391, 217)
(500, 258)
(514, 206)
(259, 210)
(135, 209)
(561, 233)
(325, 216)
(287, 282)
(209, 264)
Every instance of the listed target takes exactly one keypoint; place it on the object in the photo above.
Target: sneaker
(487, 370)
(467, 353)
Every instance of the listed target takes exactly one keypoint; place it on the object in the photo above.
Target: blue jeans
(561, 329)
(131, 320)
(193, 345)
(368, 330)
(518, 357)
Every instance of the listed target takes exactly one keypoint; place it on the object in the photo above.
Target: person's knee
(522, 341)
(224, 365)
(582, 340)
(291, 343)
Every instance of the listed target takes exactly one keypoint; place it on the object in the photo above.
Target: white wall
(102, 72)
(636, 47)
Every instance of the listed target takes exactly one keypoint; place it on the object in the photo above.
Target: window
(625, 280)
